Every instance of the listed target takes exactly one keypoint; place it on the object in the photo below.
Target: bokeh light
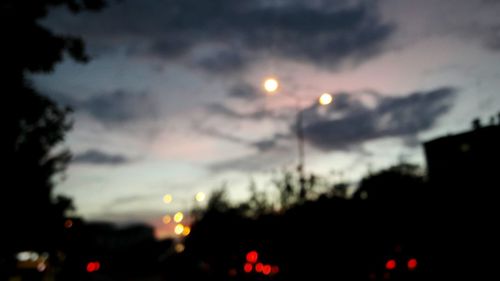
(325, 99)
(167, 219)
(68, 223)
(259, 267)
(271, 85)
(178, 217)
(248, 267)
(179, 229)
(200, 196)
(252, 256)
(167, 198)
(412, 264)
(179, 248)
(266, 269)
(93, 266)
(390, 264)
(186, 231)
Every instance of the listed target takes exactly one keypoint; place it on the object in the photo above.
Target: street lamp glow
(179, 229)
(271, 85)
(167, 219)
(186, 231)
(325, 99)
(167, 198)
(178, 217)
(200, 197)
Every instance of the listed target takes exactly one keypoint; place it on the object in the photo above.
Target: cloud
(113, 108)
(226, 112)
(401, 117)
(232, 34)
(244, 91)
(259, 162)
(119, 106)
(353, 119)
(97, 157)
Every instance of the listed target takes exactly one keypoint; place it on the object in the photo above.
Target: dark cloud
(260, 162)
(401, 117)
(244, 91)
(97, 157)
(237, 32)
(113, 108)
(227, 112)
(349, 122)
(222, 62)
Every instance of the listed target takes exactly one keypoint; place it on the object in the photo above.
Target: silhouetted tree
(34, 126)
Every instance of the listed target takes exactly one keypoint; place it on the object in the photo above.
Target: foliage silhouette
(34, 126)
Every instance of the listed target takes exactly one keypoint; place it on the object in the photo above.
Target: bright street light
(325, 99)
(200, 196)
(167, 198)
(271, 85)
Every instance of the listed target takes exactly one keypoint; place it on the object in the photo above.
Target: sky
(172, 102)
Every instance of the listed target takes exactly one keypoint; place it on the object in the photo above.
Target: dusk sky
(172, 99)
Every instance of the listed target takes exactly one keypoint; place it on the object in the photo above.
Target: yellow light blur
(200, 196)
(271, 85)
(178, 217)
(325, 99)
(167, 219)
(186, 231)
(167, 198)
(179, 229)
(179, 248)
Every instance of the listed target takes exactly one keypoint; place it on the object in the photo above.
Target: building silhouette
(465, 165)
(463, 173)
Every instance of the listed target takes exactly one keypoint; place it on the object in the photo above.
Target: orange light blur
(167, 219)
(186, 231)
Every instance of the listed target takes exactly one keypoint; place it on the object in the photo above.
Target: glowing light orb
(252, 256)
(167, 198)
(248, 267)
(271, 85)
(200, 197)
(390, 264)
(325, 99)
(412, 264)
(179, 229)
(186, 231)
(167, 219)
(68, 223)
(178, 217)
(179, 248)
(266, 270)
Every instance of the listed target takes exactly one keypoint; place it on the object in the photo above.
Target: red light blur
(275, 269)
(248, 267)
(252, 256)
(266, 270)
(390, 264)
(259, 267)
(412, 264)
(93, 266)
